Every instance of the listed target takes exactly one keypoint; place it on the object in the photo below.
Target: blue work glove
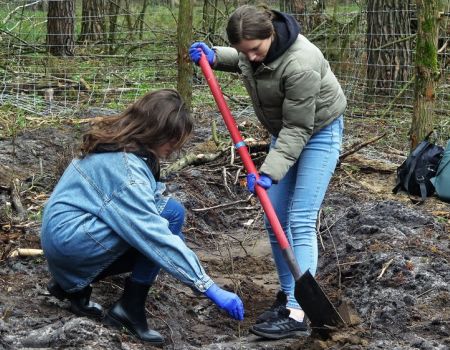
(196, 49)
(264, 181)
(227, 301)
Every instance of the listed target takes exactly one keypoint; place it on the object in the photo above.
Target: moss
(427, 54)
(429, 25)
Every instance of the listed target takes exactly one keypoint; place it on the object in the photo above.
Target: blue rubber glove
(227, 301)
(264, 181)
(196, 49)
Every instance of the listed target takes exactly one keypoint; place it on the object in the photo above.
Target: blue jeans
(297, 199)
(143, 270)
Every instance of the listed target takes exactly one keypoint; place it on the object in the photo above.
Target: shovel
(315, 304)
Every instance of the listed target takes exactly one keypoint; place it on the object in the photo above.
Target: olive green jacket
(293, 97)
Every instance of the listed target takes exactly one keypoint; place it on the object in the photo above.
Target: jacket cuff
(203, 284)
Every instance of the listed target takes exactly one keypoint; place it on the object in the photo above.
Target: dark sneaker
(272, 312)
(283, 327)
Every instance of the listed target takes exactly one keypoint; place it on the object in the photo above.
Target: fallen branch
(190, 159)
(224, 204)
(359, 146)
(25, 252)
(9, 15)
(371, 165)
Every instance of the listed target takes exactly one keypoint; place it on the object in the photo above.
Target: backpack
(441, 181)
(414, 175)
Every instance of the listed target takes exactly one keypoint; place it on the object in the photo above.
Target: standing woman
(298, 99)
(106, 216)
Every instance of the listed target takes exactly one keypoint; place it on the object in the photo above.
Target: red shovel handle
(249, 165)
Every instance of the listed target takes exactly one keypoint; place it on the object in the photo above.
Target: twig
(385, 266)
(8, 16)
(15, 199)
(318, 229)
(442, 49)
(337, 257)
(426, 292)
(232, 155)
(351, 263)
(238, 172)
(225, 182)
(359, 146)
(223, 205)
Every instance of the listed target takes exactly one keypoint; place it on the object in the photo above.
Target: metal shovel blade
(322, 314)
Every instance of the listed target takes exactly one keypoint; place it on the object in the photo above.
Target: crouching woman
(106, 217)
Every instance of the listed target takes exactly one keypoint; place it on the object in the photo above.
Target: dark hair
(249, 23)
(153, 120)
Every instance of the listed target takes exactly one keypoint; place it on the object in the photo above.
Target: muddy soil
(384, 257)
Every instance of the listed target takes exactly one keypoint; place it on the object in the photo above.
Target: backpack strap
(423, 189)
(414, 157)
(398, 185)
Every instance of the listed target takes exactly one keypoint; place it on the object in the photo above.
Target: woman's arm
(132, 214)
(298, 114)
(227, 59)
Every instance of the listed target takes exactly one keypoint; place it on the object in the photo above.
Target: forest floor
(379, 253)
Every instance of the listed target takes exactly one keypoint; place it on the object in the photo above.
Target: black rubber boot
(129, 312)
(80, 303)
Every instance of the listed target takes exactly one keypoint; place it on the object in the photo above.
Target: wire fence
(123, 48)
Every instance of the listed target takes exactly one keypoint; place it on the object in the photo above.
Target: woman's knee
(174, 210)
(174, 213)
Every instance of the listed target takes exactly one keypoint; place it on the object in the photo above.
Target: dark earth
(380, 254)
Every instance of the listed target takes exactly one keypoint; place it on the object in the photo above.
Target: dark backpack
(414, 175)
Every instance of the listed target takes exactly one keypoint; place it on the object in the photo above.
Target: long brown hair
(153, 120)
(249, 23)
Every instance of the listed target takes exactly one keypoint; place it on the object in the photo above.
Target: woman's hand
(264, 181)
(227, 301)
(196, 49)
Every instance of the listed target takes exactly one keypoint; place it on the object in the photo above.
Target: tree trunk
(298, 9)
(427, 70)
(206, 16)
(113, 13)
(184, 38)
(141, 19)
(93, 21)
(388, 46)
(61, 27)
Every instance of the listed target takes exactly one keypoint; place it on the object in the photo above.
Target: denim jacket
(103, 205)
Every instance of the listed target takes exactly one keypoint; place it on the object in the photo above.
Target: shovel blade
(316, 305)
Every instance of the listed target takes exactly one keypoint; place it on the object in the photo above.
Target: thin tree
(61, 27)
(427, 70)
(184, 38)
(113, 14)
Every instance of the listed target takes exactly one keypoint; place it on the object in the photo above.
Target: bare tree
(61, 27)
(388, 45)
